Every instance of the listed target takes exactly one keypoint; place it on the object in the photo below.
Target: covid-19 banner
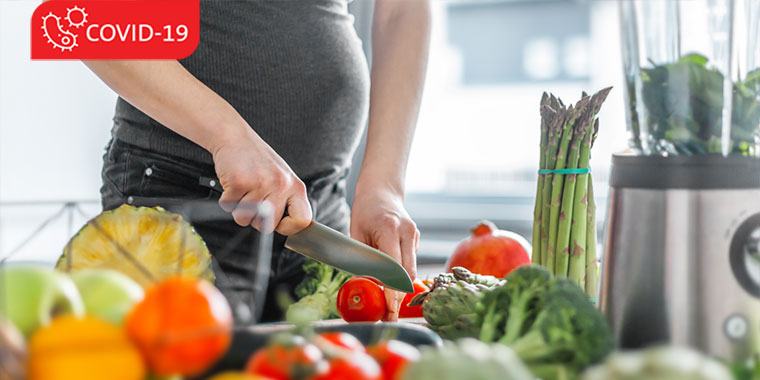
(115, 29)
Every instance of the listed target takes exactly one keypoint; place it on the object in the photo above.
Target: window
(476, 150)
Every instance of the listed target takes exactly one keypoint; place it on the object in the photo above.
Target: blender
(682, 245)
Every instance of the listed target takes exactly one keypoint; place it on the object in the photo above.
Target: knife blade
(331, 247)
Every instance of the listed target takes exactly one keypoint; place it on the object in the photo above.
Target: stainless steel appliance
(681, 261)
(682, 253)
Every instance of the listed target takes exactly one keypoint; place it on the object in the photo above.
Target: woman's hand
(250, 171)
(379, 219)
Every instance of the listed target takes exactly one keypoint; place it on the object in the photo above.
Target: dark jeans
(135, 176)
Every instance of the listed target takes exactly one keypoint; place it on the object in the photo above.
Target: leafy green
(317, 292)
(684, 105)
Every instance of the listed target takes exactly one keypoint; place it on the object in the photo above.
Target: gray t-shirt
(295, 71)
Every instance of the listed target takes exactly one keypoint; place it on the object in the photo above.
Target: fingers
(409, 237)
(388, 242)
(231, 196)
(245, 210)
(299, 213)
(393, 300)
(243, 205)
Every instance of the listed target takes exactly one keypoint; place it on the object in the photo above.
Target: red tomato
(355, 366)
(344, 340)
(412, 311)
(361, 300)
(285, 362)
(393, 357)
(376, 281)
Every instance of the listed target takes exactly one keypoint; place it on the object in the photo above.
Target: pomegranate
(490, 251)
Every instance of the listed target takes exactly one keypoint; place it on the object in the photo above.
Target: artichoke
(450, 306)
(470, 359)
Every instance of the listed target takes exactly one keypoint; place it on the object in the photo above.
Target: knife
(331, 247)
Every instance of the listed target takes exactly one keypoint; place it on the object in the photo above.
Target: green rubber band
(565, 171)
(593, 300)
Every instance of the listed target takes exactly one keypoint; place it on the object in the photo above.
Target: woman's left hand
(379, 219)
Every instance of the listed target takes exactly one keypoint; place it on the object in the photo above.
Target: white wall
(55, 118)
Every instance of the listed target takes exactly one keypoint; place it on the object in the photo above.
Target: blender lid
(685, 172)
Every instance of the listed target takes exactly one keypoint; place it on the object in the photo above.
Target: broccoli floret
(568, 334)
(517, 302)
(318, 291)
(548, 321)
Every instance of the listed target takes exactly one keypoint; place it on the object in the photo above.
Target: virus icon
(76, 17)
(56, 35)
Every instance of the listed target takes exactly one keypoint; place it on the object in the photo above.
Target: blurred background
(475, 153)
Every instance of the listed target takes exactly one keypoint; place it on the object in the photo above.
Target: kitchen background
(475, 154)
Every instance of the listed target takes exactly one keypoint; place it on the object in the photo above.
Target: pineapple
(152, 237)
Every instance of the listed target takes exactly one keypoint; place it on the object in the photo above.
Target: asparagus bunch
(564, 226)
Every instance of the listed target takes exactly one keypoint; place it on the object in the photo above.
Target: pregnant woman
(272, 105)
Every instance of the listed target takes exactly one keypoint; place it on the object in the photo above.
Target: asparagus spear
(557, 183)
(592, 270)
(562, 250)
(577, 270)
(556, 110)
(545, 115)
(577, 244)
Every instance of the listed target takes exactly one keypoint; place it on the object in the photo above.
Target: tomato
(284, 361)
(165, 326)
(393, 357)
(344, 340)
(376, 281)
(412, 311)
(360, 300)
(355, 366)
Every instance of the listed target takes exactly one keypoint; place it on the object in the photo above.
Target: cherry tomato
(285, 361)
(361, 300)
(355, 366)
(376, 281)
(344, 340)
(393, 357)
(412, 311)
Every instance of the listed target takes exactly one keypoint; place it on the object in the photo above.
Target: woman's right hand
(250, 171)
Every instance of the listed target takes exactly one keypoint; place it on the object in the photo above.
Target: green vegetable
(684, 107)
(468, 359)
(592, 267)
(536, 256)
(505, 314)
(563, 201)
(317, 292)
(747, 369)
(659, 363)
(450, 306)
(548, 321)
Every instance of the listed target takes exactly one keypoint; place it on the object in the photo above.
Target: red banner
(115, 29)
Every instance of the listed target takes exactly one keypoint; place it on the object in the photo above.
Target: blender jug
(681, 263)
(691, 71)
